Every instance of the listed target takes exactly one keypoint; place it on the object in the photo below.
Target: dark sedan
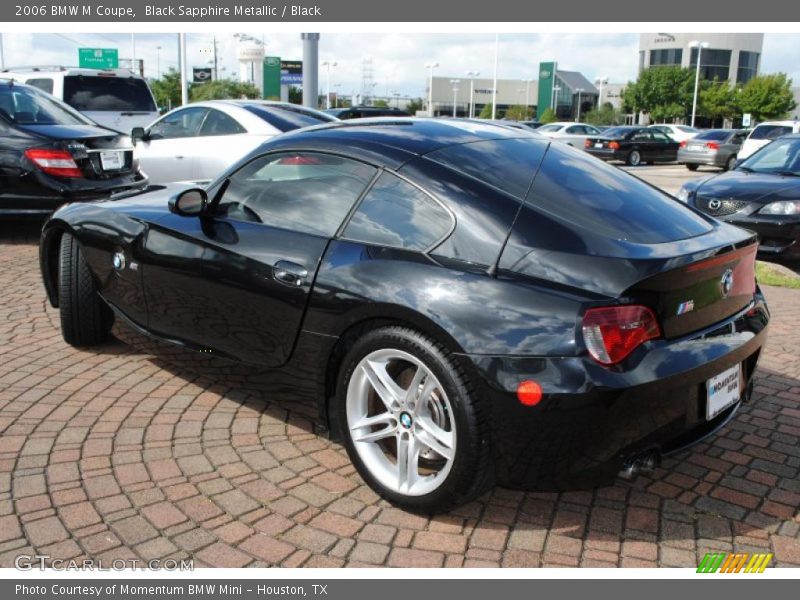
(463, 303)
(51, 154)
(761, 194)
(633, 146)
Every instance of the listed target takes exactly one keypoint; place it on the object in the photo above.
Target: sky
(398, 59)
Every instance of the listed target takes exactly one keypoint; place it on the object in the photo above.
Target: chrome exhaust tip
(645, 463)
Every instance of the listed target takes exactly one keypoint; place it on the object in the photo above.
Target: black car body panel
(207, 285)
(27, 189)
(738, 197)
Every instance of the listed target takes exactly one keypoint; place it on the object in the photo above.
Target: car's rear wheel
(692, 166)
(634, 158)
(85, 319)
(731, 163)
(412, 421)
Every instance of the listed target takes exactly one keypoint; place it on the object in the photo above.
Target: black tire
(692, 166)
(634, 158)
(730, 164)
(85, 319)
(471, 473)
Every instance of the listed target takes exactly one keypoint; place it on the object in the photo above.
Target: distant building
(735, 57)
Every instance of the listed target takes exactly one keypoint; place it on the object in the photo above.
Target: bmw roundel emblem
(405, 420)
(118, 261)
(727, 283)
(715, 204)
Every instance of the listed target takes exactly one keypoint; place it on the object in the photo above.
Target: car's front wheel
(634, 158)
(692, 166)
(85, 319)
(412, 421)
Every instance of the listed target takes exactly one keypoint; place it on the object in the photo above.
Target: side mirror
(189, 203)
(138, 133)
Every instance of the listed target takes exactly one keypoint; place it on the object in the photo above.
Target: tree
(518, 113)
(665, 92)
(380, 102)
(486, 111)
(718, 100)
(414, 105)
(222, 89)
(605, 115)
(295, 95)
(548, 116)
(767, 97)
(167, 90)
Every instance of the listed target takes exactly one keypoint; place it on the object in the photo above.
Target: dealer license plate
(723, 390)
(598, 145)
(112, 160)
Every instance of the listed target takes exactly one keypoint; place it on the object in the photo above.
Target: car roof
(61, 70)
(788, 123)
(391, 141)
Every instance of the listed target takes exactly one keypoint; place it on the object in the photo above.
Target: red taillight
(682, 144)
(54, 162)
(613, 145)
(712, 145)
(587, 143)
(611, 333)
(529, 393)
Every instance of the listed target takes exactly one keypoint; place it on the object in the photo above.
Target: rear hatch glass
(117, 94)
(769, 132)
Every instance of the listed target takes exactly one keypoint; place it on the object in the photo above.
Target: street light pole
(430, 66)
(600, 82)
(472, 75)
(494, 84)
(699, 45)
(455, 83)
(527, 95)
(158, 61)
(579, 90)
(328, 65)
(556, 89)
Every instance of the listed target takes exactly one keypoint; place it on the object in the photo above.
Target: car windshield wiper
(745, 169)
(787, 173)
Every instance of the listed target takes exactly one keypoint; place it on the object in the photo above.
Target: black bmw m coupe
(467, 303)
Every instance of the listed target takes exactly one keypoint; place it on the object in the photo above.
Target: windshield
(552, 128)
(769, 132)
(288, 118)
(117, 94)
(781, 157)
(26, 106)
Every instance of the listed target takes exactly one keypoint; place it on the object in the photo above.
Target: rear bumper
(714, 159)
(606, 154)
(593, 420)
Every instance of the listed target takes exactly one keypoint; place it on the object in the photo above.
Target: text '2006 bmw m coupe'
(467, 303)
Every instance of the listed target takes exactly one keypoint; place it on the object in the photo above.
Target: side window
(642, 136)
(592, 130)
(180, 124)
(218, 123)
(395, 213)
(575, 130)
(43, 83)
(739, 138)
(660, 137)
(306, 192)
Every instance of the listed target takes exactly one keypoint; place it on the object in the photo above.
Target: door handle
(290, 273)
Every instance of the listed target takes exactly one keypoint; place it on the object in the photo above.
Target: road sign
(746, 118)
(98, 58)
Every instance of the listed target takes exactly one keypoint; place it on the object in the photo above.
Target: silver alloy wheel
(635, 158)
(401, 422)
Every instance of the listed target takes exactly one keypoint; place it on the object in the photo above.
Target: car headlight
(683, 195)
(783, 207)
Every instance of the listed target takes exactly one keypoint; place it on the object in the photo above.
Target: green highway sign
(98, 58)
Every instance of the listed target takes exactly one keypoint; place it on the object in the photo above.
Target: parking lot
(113, 454)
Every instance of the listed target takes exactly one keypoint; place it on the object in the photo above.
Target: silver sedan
(714, 147)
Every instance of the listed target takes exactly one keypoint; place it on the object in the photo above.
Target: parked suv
(764, 133)
(362, 112)
(115, 98)
(52, 154)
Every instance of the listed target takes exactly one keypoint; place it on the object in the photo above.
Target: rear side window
(509, 165)
(394, 213)
(116, 94)
(218, 123)
(582, 192)
(43, 83)
(769, 132)
(288, 118)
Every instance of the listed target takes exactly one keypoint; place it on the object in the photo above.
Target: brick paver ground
(106, 454)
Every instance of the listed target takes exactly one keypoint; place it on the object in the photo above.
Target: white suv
(764, 133)
(114, 98)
